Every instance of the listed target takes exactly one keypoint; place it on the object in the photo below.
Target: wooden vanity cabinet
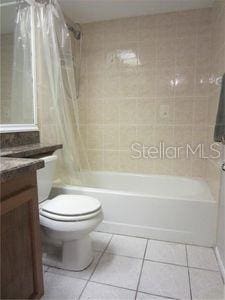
(21, 263)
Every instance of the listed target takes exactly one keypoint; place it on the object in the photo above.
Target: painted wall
(147, 79)
(6, 76)
(17, 106)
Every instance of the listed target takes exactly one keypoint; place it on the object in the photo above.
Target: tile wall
(147, 79)
(218, 68)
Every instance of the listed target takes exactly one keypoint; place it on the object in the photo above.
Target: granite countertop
(29, 150)
(12, 167)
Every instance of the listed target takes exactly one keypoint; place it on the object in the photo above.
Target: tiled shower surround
(218, 68)
(150, 79)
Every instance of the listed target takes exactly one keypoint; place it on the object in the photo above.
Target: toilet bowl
(67, 220)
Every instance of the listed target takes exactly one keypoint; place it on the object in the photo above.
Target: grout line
(157, 295)
(148, 241)
(165, 263)
(116, 286)
(89, 279)
(151, 239)
(219, 268)
(162, 262)
(132, 290)
(189, 277)
(142, 265)
(115, 254)
(148, 259)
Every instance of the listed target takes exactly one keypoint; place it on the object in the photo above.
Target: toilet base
(76, 255)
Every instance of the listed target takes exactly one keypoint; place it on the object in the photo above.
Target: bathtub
(169, 208)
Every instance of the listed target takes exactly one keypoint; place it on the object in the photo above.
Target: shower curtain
(57, 108)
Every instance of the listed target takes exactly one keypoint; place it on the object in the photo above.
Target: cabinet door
(21, 268)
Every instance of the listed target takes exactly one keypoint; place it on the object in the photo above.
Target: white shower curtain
(58, 118)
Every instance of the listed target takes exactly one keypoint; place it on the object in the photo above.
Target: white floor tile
(143, 296)
(201, 257)
(165, 280)
(127, 246)
(61, 287)
(96, 291)
(100, 240)
(119, 271)
(206, 285)
(166, 252)
(85, 274)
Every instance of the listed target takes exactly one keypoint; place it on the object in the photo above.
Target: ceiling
(85, 11)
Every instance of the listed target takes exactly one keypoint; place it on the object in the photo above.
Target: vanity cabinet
(21, 264)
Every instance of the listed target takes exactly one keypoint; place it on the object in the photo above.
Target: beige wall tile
(128, 111)
(186, 52)
(146, 134)
(111, 111)
(166, 51)
(184, 110)
(129, 84)
(95, 158)
(186, 23)
(94, 110)
(127, 137)
(149, 79)
(95, 85)
(165, 82)
(165, 105)
(145, 166)
(147, 53)
(199, 167)
(182, 167)
(111, 85)
(203, 82)
(184, 81)
(95, 137)
(163, 166)
(129, 29)
(145, 111)
(127, 163)
(112, 160)
(201, 111)
(146, 81)
(164, 134)
(111, 137)
(147, 28)
(166, 26)
(182, 135)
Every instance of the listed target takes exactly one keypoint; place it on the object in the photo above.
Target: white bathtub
(152, 206)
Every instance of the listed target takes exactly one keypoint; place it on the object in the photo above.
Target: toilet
(67, 220)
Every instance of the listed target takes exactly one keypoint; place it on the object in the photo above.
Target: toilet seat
(70, 208)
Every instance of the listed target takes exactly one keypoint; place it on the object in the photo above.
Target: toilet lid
(71, 205)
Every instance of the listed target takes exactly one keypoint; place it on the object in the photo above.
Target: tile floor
(136, 268)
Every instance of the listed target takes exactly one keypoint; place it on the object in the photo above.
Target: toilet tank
(45, 177)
